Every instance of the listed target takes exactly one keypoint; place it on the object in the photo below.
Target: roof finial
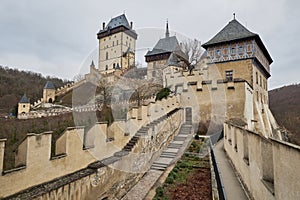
(233, 15)
(92, 64)
(167, 29)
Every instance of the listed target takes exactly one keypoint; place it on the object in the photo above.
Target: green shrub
(170, 180)
(163, 93)
(159, 191)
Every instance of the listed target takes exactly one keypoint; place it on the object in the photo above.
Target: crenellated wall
(211, 97)
(216, 99)
(76, 148)
(267, 166)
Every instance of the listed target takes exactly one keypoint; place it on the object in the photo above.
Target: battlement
(75, 148)
(33, 156)
(267, 166)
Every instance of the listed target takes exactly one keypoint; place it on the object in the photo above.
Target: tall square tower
(117, 45)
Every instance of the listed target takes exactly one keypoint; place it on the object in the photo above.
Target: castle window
(260, 81)
(229, 75)
(117, 42)
(106, 55)
(106, 67)
(233, 51)
(126, 43)
(241, 50)
(153, 73)
(114, 65)
(113, 43)
(23, 106)
(248, 47)
(256, 75)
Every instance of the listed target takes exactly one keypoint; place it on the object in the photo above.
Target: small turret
(23, 105)
(49, 92)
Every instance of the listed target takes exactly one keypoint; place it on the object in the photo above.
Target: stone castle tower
(23, 105)
(49, 93)
(241, 56)
(117, 45)
(166, 50)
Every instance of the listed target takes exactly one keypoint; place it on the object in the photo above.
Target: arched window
(114, 65)
(50, 100)
(106, 55)
(106, 67)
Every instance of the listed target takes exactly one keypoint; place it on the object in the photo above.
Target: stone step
(158, 168)
(164, 155)
(121, 153)
(175, 146)
(179, 138)
(169, 153)
(127, 148)
(161, 165)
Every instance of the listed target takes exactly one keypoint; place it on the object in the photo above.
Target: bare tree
(105, 89)
(192, 50)
(140, 88)
(78, 77)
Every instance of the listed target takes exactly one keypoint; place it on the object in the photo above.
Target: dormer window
(241, 50)
(233, 50)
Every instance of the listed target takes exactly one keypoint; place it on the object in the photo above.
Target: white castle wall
(75, 149)
(267, 166)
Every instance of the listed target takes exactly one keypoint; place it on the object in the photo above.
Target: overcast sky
(57, 37)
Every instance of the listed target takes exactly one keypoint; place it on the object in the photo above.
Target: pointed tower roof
(92, 64)
(120, 20)
(167, 30)
(49, 85)
(234, 31)
(173, 60)
(115, 25)
(24, 99)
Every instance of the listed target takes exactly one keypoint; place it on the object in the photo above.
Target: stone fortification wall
(267, 166)
(76, 149)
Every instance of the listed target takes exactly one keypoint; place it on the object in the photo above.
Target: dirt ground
(197, 186)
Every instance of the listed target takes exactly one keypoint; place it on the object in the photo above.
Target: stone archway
(50, 100)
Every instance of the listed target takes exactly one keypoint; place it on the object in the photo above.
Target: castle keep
(117, 43)
(228, 90)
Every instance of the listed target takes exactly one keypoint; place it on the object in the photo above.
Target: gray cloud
(54, 37)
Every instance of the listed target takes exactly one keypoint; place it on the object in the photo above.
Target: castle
(229, 90)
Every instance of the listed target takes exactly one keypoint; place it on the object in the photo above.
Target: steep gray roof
(232, 31)
(24, 99)
(164, 45)
(120, 20)
(173, 60)
(49, 85)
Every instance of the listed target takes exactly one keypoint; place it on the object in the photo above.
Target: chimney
(131, 25)
(103, 25)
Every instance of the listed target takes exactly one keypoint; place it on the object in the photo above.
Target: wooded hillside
(14, 83)
(284, 104)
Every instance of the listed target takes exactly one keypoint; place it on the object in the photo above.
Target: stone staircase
(173, 148)
(142, 132)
